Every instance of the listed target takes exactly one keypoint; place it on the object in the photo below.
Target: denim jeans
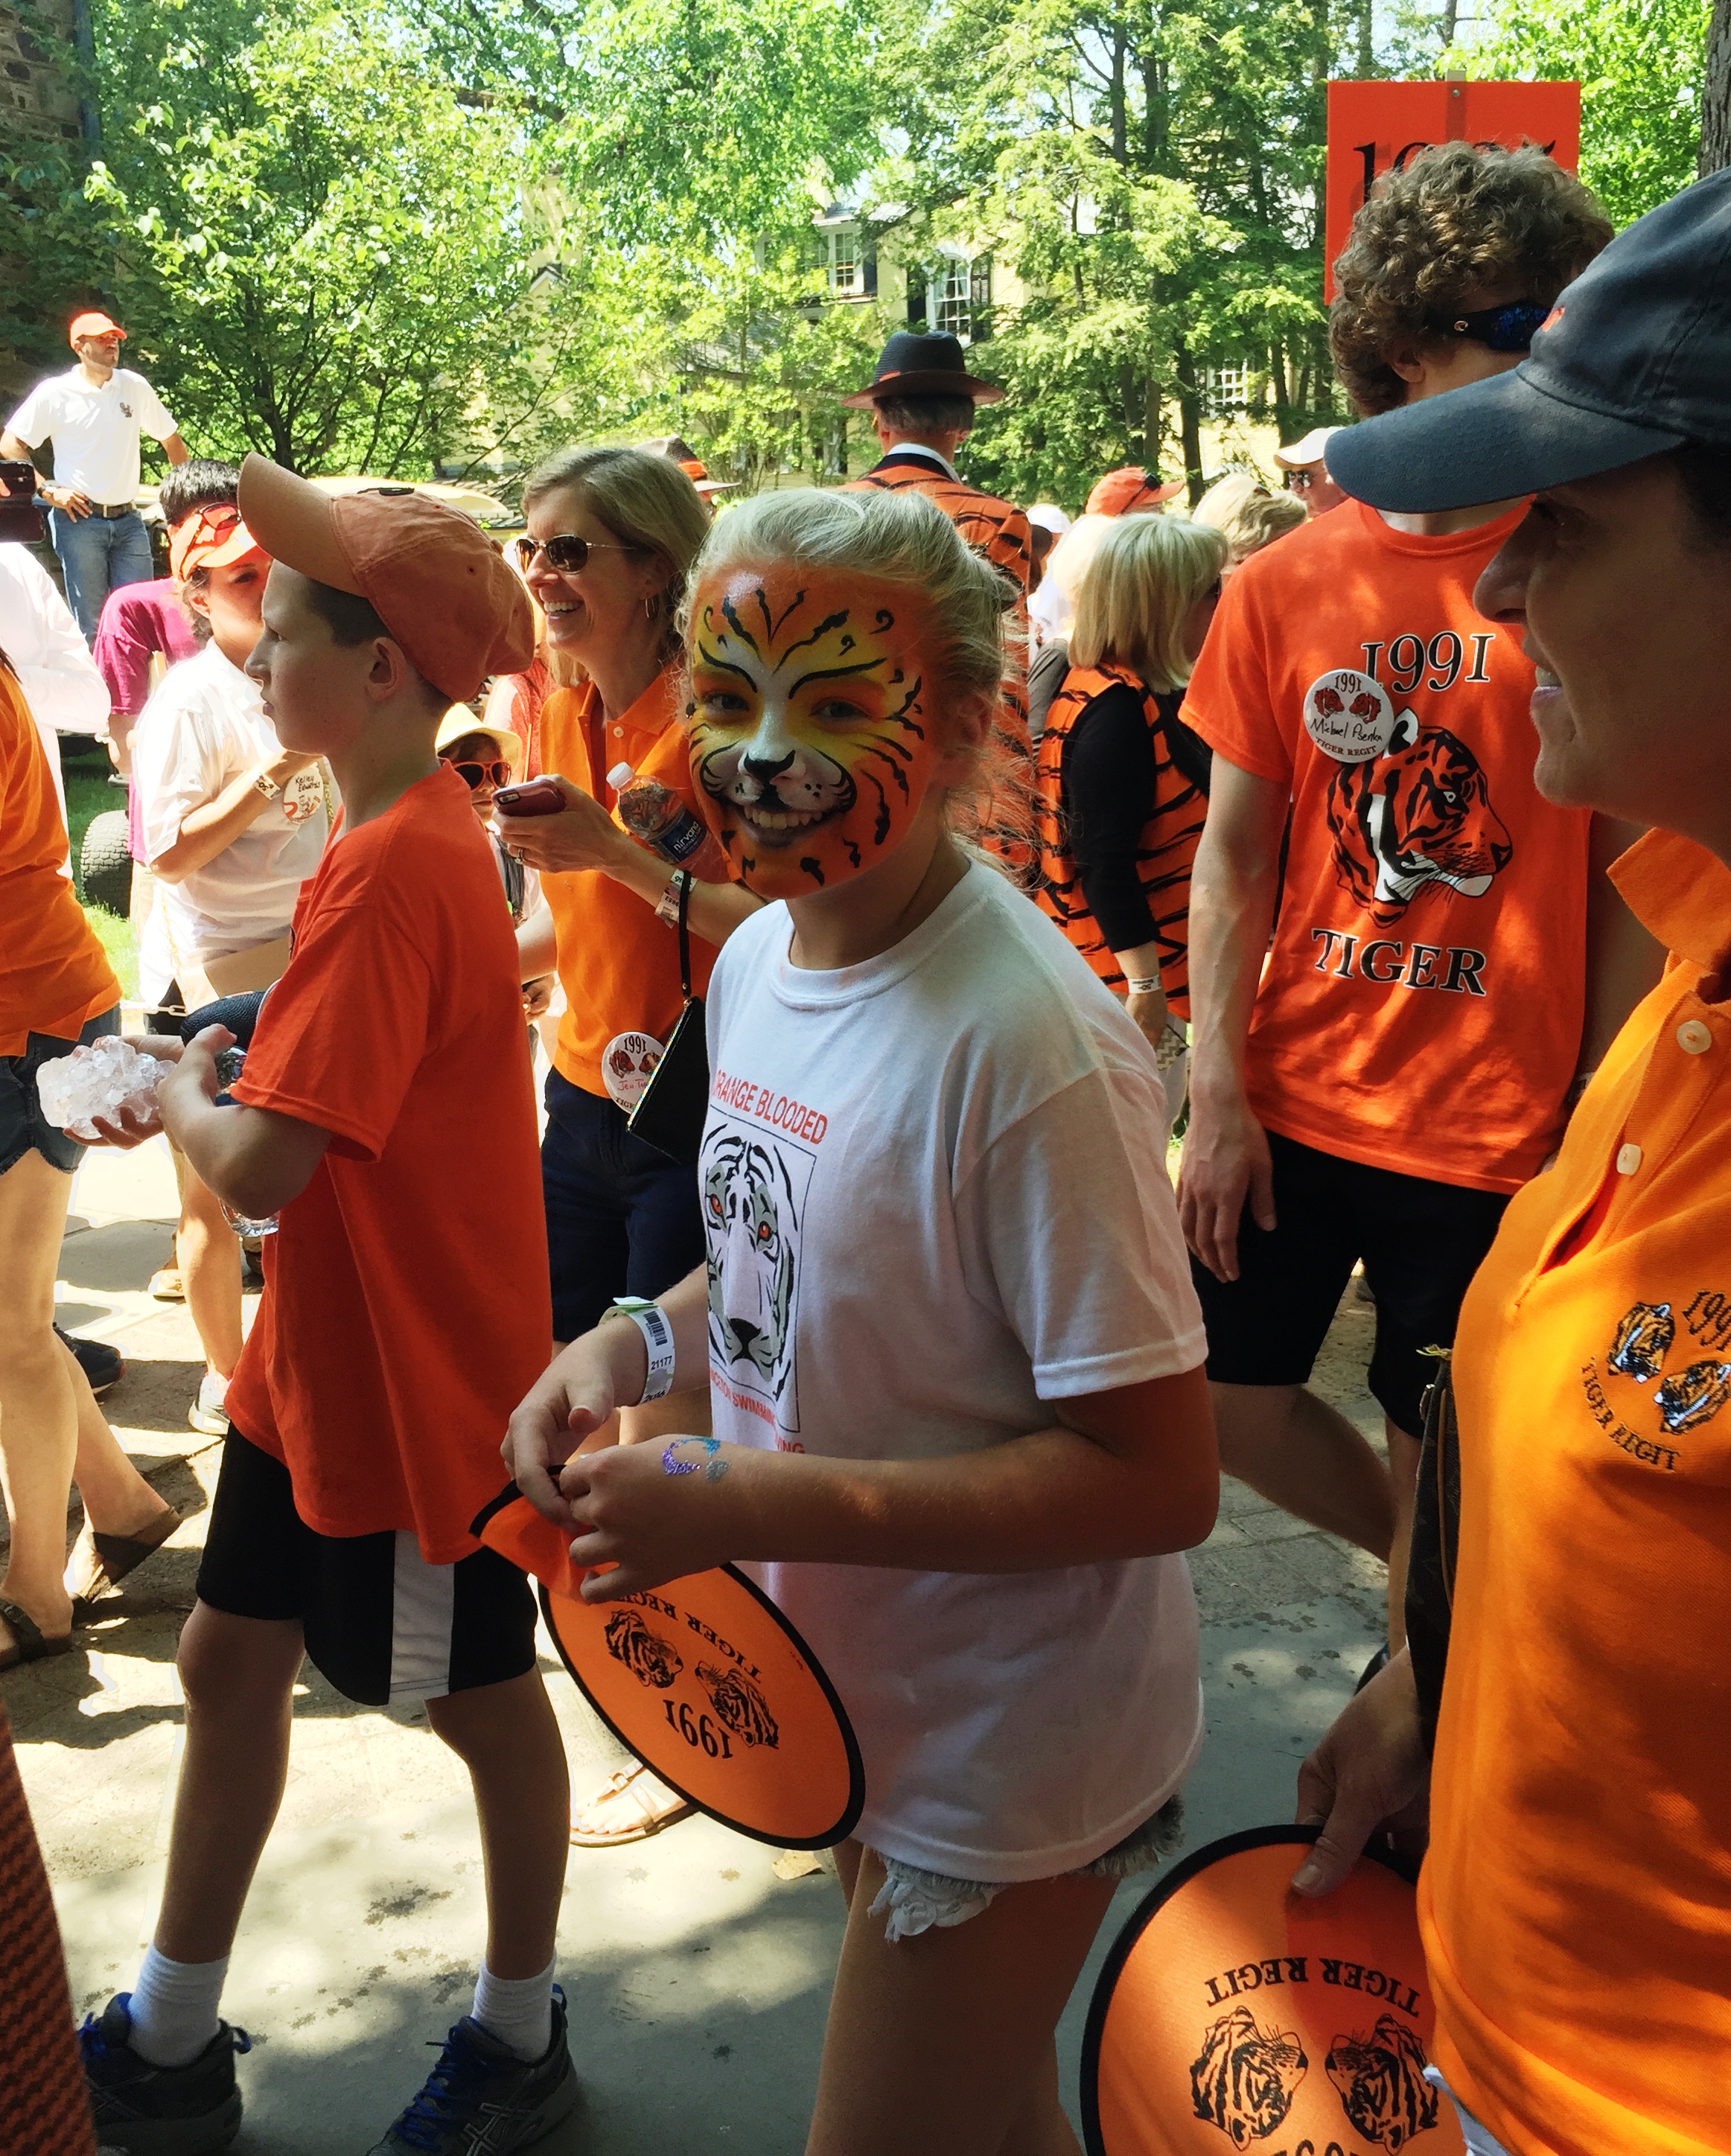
(98, 554)
(622, 1218)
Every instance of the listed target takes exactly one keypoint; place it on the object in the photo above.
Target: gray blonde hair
(645, 500)
(1149, 572)
(901, 538)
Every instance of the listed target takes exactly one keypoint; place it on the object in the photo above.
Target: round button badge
(1348, 717)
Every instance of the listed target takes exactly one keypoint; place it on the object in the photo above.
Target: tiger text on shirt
(1422, 1005)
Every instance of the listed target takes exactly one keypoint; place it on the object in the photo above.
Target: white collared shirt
(95, 431)
(925, 449)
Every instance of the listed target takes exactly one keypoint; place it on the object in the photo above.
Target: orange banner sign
(1374, 127)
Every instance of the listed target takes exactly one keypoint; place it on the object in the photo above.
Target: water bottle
(655, 813)
(229, 1063)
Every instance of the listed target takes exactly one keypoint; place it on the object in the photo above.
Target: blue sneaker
(482, 2100)
(142, 2110)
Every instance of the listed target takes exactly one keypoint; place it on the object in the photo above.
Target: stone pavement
(697, 1974)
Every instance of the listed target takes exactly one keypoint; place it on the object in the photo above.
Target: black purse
(1436, 1546)
(671, 1109)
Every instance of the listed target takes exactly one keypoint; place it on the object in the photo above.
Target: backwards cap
(430, 573)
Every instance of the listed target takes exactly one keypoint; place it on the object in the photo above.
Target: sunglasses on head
(497, 773)
(1502, 329)
(566, 552)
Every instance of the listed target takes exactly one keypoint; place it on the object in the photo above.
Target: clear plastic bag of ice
(98, 1079)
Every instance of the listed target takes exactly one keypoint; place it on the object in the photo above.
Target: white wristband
(651, 1321)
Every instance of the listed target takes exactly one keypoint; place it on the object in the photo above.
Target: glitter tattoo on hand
(810, 742)
(715, 1468)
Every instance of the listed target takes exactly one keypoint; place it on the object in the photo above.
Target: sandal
(640, 1804)
(99, 1563)
(167, 1286)
(29, 1643)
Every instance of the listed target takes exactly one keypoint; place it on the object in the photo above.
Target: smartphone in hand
(534, 796)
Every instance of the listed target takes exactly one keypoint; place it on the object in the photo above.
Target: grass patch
(85, 767)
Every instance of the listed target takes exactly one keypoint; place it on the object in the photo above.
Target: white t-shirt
(95, 431)
(935, 1194)
(55, 671)
(205, 725)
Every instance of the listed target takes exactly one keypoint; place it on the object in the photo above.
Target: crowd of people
(1377, 825)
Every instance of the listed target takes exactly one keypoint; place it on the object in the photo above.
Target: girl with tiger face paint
(923, 1108)
(812, 742)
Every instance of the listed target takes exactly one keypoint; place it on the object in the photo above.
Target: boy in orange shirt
(1402, 1062)
(1576, 1903)
(364, 1434)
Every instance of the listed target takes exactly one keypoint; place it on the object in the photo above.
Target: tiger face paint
(810, 739)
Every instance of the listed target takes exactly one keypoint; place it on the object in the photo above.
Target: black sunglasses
(477, 774)
(1502, 329)
(1300, 482)
(566, 552)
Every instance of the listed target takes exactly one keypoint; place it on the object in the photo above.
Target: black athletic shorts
(1421, 1243)
(386, 1628)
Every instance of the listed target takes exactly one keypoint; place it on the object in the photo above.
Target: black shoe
(481, 2096)
(143, 2110)
(103, 1365)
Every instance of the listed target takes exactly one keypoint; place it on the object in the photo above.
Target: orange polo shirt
(618, 965)
(1576, 1902)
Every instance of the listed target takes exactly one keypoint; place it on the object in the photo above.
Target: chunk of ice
(97, 1080)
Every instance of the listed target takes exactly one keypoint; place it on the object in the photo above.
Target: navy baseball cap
(1634, 359)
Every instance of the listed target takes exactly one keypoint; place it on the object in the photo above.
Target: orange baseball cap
(1130, 488)
(210, 538)
(94, 325)
(430, 573)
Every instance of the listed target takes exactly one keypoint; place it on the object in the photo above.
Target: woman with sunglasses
(611, 535)
(1122, 782)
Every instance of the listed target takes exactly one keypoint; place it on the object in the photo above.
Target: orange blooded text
(769, 1107)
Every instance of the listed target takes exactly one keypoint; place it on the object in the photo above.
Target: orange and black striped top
(991, 527)
(1119, 824)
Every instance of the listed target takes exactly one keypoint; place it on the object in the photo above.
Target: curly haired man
(1447, 959)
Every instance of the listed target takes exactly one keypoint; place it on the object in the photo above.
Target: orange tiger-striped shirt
(992, 527)
(1165, 850)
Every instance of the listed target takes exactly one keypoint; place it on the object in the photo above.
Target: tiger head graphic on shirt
(1418, 814)
(1245, 2078)
(749, 1213)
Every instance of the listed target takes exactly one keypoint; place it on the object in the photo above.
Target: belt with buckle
(112, 509)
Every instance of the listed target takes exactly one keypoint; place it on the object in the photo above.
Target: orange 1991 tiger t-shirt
(406, 1308)
(1422, 1005)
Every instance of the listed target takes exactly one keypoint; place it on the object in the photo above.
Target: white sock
(174, 2008)
(517, 2010)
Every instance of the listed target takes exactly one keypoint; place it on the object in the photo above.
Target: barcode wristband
(651, 1321)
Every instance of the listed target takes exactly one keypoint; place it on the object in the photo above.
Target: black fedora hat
(910, 365)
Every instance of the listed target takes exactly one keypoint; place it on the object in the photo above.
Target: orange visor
(210, 538)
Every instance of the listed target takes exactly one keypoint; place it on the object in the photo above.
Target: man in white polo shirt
(94, 414)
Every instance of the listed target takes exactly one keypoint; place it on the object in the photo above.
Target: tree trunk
(1189, 408)
(1367, 42)
(1151, 424)
(1716, 93)
(1120, 114)
(1277, 378)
